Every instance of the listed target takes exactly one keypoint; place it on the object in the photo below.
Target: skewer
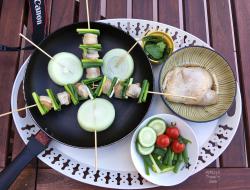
(32, 43)
(133, 46)
(40, 49)
(167, 94)
(96, 158)
(96, 155)
(20, 109)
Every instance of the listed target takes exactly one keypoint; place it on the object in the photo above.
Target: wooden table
(224, 24)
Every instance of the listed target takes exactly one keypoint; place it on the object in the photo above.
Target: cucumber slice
(97, 114)
(144, 150)
(147, 137)
(65, 68)
(158, 125)
(117, 64)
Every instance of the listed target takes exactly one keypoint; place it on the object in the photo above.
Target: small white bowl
(168, 178)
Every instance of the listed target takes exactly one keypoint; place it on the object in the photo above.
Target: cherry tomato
(173, 132)
(163, 141)
(178, 147)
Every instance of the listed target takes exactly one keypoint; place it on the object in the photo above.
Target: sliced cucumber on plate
(144, 150)
(158, 125)
(65, 68)
(147, 137)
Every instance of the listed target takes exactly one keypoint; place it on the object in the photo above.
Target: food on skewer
(118, 63)
(190, 81)
(64, 98)
(81, 91)
(65, 68)
(90, 47)
(96, 115)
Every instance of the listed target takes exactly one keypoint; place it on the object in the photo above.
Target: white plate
(168, 178)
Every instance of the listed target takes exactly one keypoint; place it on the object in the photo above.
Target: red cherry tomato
(163, 141)
(178, 147)
(173, 132)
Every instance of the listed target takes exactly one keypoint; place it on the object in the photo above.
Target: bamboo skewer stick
(96, 155)
(18, 110)
(87, 10)
(133, 46)
(32, 43)
(167, 94)
(40, 49)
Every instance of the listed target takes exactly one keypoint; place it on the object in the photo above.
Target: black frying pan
(62, 126)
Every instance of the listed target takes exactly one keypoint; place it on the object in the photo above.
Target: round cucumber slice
(158, 125)
(147, 137)
(65, 68)
(118, 63)
(144, 150)
(97, 114)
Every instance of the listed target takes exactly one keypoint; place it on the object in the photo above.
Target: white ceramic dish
(168, 178)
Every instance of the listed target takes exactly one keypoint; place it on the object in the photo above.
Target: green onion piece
(184, 140)
(92, 61)
(179, 161)
(90, 81)
(97, 47)
(170, 160)
(145, 94)
(144, 85)
(127, 83)
(41, 108)
(113, 83)
(160, 152)
(55, 102)
(146, 166)
(71, 89)
(185, 156)
(91, 65)
(85, 31)
(98, 90)
(167, 156)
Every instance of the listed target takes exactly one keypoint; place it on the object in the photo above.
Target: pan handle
(10, 173)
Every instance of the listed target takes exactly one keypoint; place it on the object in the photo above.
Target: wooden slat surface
(168, 12)
(241, 14)
(222, 41)
(8, 64)
(142, 9)
(62, 14)
(94, 10)
(208, 179)
(116, 9)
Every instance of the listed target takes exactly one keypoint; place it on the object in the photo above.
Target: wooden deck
(224, 24)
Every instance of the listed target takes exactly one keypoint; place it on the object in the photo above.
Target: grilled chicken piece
(46, 102)
(118, 90)
(190, 81)
(106, 86)
(91, 54)
(89, 39)
(64, 98)
(134, 90)
(82, 90)
(93, 72)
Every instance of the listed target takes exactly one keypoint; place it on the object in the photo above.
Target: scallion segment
(91, 81)
(41, 108)
(98, 90)
(71, 89)
(85, 31)
(113, 83)
(144, 86)
(97, 47)
(125, 87)
(55, 102)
